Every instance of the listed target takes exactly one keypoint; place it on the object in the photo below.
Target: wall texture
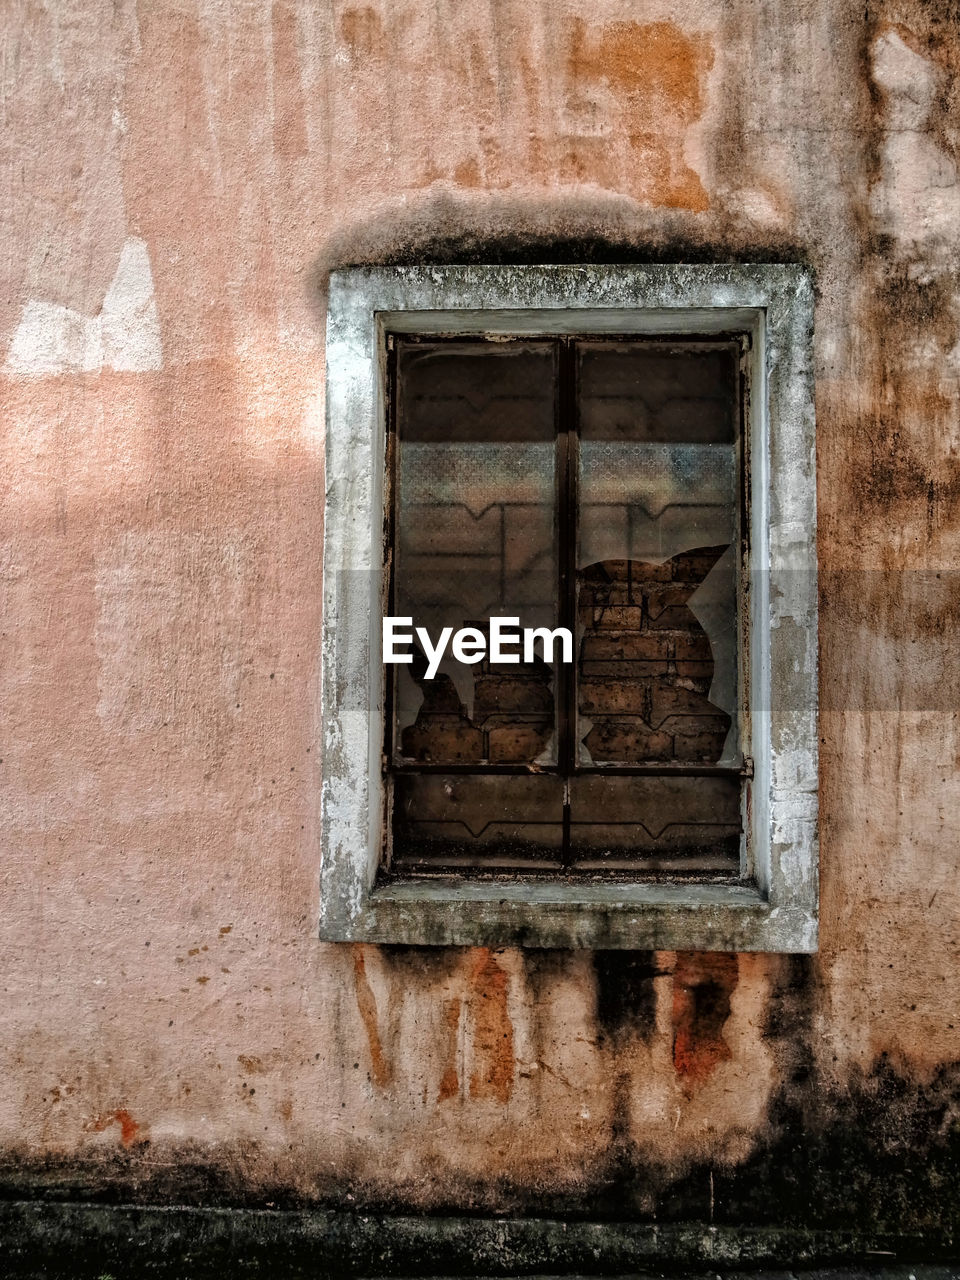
(178, 178)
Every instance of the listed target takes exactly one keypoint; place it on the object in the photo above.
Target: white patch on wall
(52, 339)
(918, 198)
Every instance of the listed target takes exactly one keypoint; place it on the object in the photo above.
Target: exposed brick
(511, 695)
(518, 743)
(691, 646)
(630, 646)
(606, 697)
(695, 670)
(672, 699)
(628, 671)
(629, 741)
(442, 739)
(614, 617)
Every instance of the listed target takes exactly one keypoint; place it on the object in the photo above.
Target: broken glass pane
(478, 502)
(657, 554)
(475, 537)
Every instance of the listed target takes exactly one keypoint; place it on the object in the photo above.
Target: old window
(596, 452)
(595, 485)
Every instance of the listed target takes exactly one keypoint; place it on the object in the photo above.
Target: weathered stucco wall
(179, 177)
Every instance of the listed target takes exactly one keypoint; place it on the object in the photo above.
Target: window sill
(647, 916)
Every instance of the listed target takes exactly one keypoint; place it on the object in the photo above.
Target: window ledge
(577, 915)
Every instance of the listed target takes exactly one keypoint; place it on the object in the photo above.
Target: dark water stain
(878, 1153)
(626, 995)
(446, 229)
(423, 966)
(702, 986)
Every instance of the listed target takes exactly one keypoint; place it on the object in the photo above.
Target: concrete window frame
(778, 909)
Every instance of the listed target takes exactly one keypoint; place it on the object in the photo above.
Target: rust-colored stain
(129, 1128)
(450, 1080)
(251, 1064)
(702, 986)
(492, 1075)
(362, 30)
(657, 73)
(380, 1069)
(467, 173)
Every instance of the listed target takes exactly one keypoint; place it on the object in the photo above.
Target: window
(593, 485)
(622, 454)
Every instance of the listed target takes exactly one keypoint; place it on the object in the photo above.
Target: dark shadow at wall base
(96, 1240)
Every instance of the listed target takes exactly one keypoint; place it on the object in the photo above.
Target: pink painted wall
(178, 177)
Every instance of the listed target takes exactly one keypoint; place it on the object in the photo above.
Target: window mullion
(567, 528)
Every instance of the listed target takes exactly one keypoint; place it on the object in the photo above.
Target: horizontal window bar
(615, 770)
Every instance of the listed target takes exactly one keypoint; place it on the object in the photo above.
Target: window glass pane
(657, 553)
(475, 538)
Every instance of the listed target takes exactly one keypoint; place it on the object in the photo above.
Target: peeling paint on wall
(918, 198)
(124, 336)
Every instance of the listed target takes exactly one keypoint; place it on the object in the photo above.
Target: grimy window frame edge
(775, 304)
